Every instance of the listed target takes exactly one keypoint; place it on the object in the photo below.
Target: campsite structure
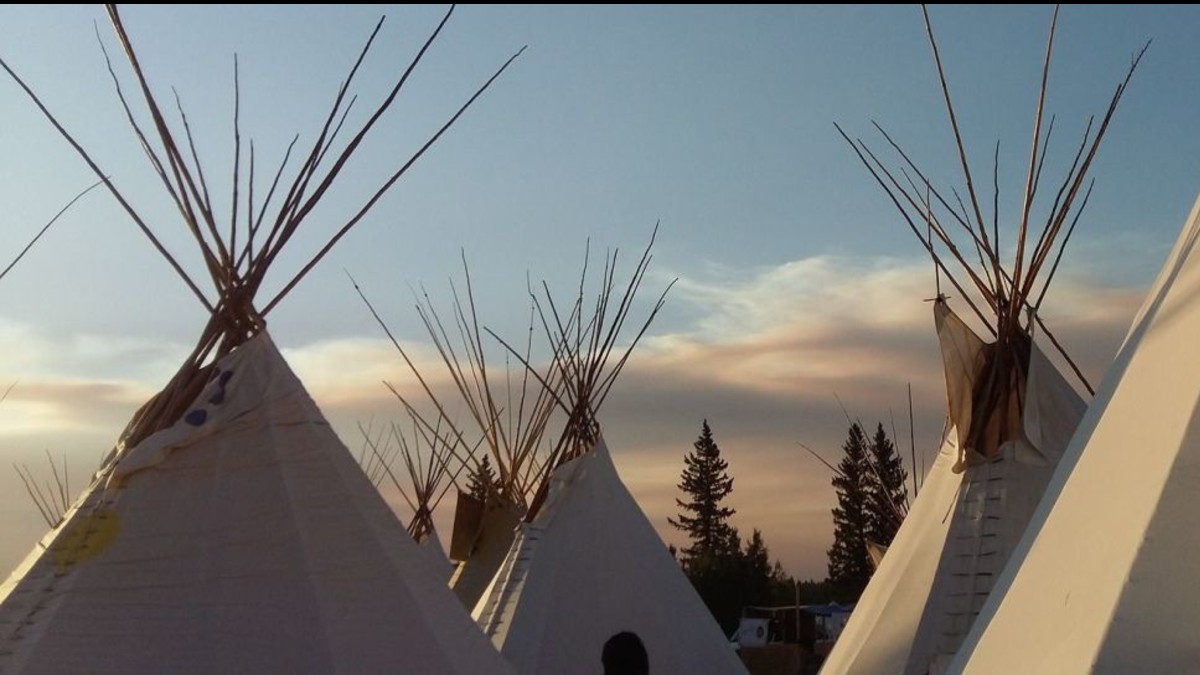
(1104, 579)
(566, 557)
(506, 424)
(427, 474)
(1010, 412)
(586, 563)
(229, 529)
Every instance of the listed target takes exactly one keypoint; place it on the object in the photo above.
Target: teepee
(1010, 412)
(428, 475)
(1104, 581)
(586, 563)
(507, 416)
(229, 529)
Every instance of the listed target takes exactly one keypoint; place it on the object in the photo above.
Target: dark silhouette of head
(624, 654)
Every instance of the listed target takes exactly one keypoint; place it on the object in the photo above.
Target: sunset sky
(798, 285)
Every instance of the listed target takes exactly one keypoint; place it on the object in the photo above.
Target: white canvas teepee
(965, 522)
(243, 538)
(426, 478)
(1105, 579)
(229, 529)
(586, 563)
(426, 470)
(1010, 412)
(588, 566)
(509, 415)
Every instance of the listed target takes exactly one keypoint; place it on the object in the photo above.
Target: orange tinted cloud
(762, 358)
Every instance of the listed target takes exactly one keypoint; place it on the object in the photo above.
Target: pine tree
(849, 564)
(783, 586)
(713, 559)
(483, 480)
(718, 578)
(756, 571)
(887, 499)
(706, 483)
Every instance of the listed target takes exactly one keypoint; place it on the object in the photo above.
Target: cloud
(67, 406)
(763, 362)
(769, 356)
(348, 371)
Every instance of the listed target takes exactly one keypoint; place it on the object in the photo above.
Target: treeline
(730, 573)
(872, 496)
(727, 572)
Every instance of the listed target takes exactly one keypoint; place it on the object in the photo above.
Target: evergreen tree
(727, 575)
(743, 577)
(783, 586)
(887, 499)
(849, 564)
(706, 482)
(718, 578)
(814, 592)
(712, 560)
(483, 480)
(756, 571)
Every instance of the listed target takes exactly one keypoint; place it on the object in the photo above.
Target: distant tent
(428, 477)
(230, 530)
(586, 563)
(1010, 412)
(509, 422)
(1104, 581)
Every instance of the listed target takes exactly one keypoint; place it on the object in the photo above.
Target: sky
(800, 296)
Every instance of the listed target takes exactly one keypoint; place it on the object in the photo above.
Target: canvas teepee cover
(586, 563)
(968, 517)
(588, 566)
(1105, 579)
(1010, 412)
(426, 469)
(229, 529)
(244, 537)
(509, 414)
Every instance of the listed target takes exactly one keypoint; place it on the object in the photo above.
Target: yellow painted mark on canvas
(87, 536)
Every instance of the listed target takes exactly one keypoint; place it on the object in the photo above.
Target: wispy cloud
(766, 358)
(762, 358)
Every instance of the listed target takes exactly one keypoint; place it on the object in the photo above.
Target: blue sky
(797, 279)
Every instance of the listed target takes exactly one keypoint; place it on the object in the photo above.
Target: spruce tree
(706, 482)
(887, 501)
(849, 563)
(756, 571)
(483, 480)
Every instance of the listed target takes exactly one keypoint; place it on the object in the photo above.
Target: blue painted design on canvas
(219, 397)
